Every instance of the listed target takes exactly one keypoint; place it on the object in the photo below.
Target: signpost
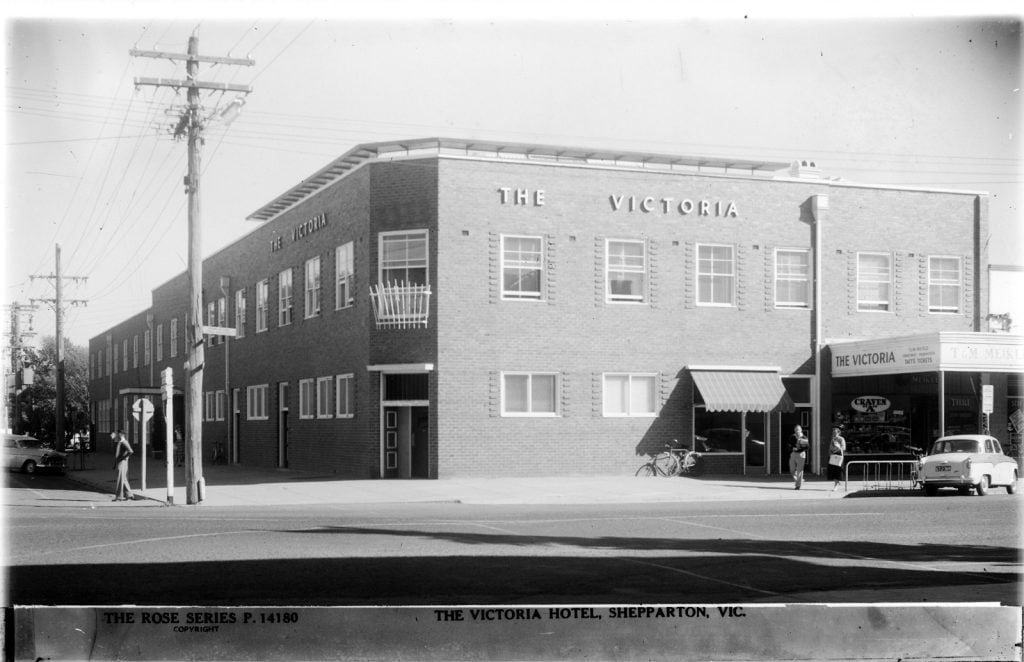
(167, 383)
(987, 399)
(142, 411)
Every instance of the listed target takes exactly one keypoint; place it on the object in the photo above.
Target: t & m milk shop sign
(929, 352)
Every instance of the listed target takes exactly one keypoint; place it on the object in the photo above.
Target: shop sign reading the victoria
(967, 352)
(300, 231)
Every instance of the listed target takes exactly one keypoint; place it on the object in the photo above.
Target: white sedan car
(966, 462)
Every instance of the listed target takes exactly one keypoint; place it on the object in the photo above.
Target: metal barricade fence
(883, 474)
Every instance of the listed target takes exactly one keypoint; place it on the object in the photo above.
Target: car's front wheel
(1012, 487)
(931, 490)
(982, 487)
(29, 467)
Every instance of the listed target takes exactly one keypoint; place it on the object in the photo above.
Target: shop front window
(718, 431)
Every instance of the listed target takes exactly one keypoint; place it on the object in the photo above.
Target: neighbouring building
(436, 307)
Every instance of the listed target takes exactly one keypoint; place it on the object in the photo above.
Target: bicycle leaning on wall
(673, 461)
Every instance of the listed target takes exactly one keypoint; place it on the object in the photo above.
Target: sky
(924, 100)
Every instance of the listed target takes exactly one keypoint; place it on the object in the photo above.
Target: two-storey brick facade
(442, 308)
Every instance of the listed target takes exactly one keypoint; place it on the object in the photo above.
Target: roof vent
(806, 169)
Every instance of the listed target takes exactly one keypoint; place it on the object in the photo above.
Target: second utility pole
(192, 123)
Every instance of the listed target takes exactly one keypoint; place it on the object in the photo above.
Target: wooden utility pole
(58, 306)
(16, 340)
(190, 124)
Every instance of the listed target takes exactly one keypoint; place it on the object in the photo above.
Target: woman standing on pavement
(836, 451)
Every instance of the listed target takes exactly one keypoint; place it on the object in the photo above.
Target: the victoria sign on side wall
(929, 352)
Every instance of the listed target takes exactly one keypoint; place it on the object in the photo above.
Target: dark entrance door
(406, 442)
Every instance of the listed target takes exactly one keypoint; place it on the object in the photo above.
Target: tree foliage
(38, 400)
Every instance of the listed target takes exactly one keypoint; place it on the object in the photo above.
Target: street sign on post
(987, 398)
(142, 411)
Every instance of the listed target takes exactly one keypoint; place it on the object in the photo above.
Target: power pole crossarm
(197, 84)
(193, 57)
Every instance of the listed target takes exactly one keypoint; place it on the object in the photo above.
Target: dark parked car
(28, 454)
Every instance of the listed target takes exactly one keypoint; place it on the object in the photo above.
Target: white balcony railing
(400, 305)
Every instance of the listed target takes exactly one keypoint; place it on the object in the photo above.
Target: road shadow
(581, 569)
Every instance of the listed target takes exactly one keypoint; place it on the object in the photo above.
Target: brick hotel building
(437, 308)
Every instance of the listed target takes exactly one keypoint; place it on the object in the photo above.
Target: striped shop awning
(742, 390)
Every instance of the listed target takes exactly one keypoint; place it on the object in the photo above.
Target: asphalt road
(69, 546)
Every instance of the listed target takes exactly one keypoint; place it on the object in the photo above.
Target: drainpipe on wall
(819, 204)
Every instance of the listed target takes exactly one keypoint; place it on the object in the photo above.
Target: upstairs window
(945, 284)
(874, 282)
(716, 275)
(174, 337)
(625, 270)
(312, 306)
(262, 297)
(792, 278)
(344, 273)
(284, 298)
(211, 320)
(240, 313)
(522, 267)
(159, 342)
(403, 258)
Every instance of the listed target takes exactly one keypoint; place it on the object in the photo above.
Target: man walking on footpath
(122, 451)
(798, 445)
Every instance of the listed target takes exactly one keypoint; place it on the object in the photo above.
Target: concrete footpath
(234, 485)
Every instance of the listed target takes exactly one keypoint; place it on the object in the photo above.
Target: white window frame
(936, 307)
(343, 395)
(262, 305)
(135, 351)
(711, 277)
(221, 401)
(174, 337)
(529, 394)
(874, 305)
(209, 405)
(622, 268)
(344, 275)
(307, 398)
(240, 313)
(147, 346)
(790, 277)
(630, 378)
(312, 288)
(211, 320)
(160, 342)
(324, 401)
(384, 238)
(511, 263)
(285, 297)
(256, 402)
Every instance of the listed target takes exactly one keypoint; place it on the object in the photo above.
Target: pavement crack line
(825, 551)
